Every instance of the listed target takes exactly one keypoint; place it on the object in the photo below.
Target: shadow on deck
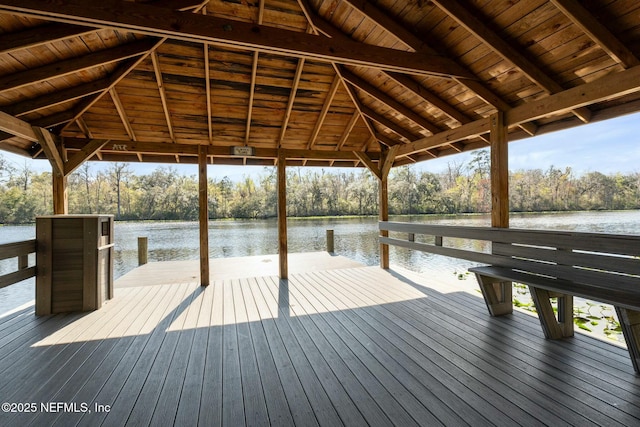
(352, 346)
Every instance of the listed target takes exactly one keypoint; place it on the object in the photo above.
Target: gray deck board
(352, 346)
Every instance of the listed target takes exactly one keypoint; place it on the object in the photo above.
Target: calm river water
(355, 238)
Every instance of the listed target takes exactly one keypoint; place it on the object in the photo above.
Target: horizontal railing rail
(20, 250)
(579, 256)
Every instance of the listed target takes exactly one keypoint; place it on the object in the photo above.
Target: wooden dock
(348, 346)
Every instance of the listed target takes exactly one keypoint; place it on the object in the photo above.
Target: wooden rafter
(333, 89)
(252, 85)
(163, 96)
(207, 85)
(115, 78)
(405, 36)
(348, 129)
(389, 101)
(426, 95)
(122, 113)
(472, 23)
(318, 26)
(60, 97)
(252, 91)
(190, 27)
(37, 36)
(389, 124)
(597, 32)
(292, 99)
(70, 66)
(181, 5)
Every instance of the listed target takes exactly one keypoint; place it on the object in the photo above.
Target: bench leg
(552, 326)
(630, 323)
(497, 295)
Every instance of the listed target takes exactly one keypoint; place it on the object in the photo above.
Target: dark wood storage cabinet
(74, 259)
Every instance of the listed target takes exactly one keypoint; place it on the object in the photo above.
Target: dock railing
(21, 251)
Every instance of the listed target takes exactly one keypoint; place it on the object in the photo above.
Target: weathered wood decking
(351, 346)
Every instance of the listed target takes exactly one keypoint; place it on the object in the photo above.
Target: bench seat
(495, 284)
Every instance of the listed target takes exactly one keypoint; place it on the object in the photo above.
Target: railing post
(411, 237)
(143, 246)
(23, 261)
(330, 246)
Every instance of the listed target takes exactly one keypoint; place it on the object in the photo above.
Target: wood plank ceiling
(327, 80)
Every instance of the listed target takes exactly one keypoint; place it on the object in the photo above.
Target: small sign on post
(243, 151)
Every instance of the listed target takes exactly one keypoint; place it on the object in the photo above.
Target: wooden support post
(411, 237)
(282, 216)
(499, 172)
(203, 216)
(60, 197)
(383, 194)
(143, 250)
(386, 162)
(330, 246)
(630, 323)
(499, 205)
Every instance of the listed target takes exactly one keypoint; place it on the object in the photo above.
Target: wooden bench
(554, 264)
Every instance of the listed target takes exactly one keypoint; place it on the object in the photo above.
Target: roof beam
(74, 65)
(389, 101)
(37, 36)
(163, 96)
(16, 127)
(157, 21)
(51, 99)
(611, 86)
(400, 32)
(333, 89)
(189, 150)
(472, 23)
(604, 89)
(597, 32)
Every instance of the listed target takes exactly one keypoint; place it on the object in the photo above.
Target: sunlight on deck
(223, 303)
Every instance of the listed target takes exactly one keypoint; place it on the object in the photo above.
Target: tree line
(164, 194)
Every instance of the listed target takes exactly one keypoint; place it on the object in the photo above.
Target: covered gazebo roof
(330, 82)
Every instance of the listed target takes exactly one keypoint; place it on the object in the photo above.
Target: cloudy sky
(609, 146)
